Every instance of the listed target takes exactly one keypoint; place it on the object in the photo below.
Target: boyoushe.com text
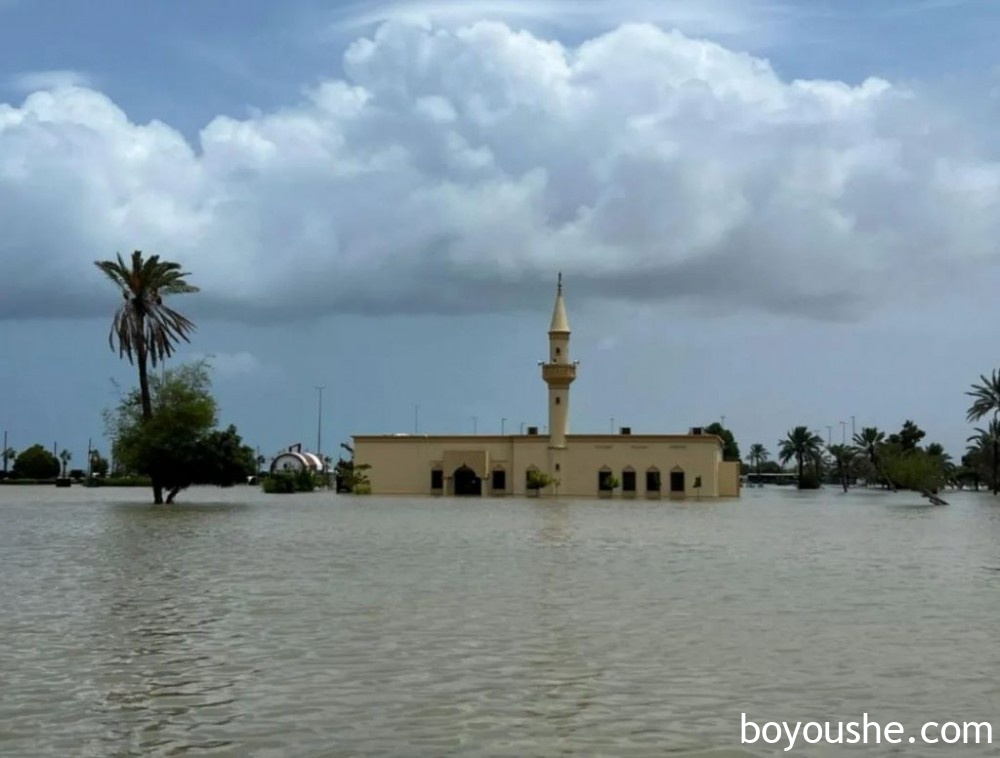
(863, 732)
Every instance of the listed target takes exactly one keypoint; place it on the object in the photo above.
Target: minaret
(559, 372)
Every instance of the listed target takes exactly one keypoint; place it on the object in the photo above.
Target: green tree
(802, 445)
(178, 445)
(36, 463)
(908, 437)
(730, 450)
(144, 329)
(986, 397)
(758, 454)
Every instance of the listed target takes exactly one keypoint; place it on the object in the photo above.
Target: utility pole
(319, 425)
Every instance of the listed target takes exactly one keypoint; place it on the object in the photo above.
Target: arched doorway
(467, 484)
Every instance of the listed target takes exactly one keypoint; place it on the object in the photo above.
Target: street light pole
(416, 419)
(319, 425)
(829, 435)
(503, 422)
(843, 432)
(475, 428)
(853, 433)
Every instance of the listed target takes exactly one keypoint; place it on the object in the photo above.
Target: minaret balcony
(558, 374)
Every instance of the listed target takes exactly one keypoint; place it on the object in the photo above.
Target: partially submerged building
(652, 466)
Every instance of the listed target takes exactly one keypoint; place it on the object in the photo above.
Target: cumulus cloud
(456, 170)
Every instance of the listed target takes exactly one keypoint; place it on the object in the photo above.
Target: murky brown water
(242, 624)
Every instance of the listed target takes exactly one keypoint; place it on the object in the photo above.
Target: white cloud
(459, 169)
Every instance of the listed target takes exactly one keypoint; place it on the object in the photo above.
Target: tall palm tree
(799, 444)
(987, 397)
(144, 329)
(868, 441)
(988, 441)
(758, 454)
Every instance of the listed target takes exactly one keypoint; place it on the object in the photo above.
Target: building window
(557, 467)
(437, 479)
(604, 480)
(558, 400)
(628, 481)
(500, 480)
(677, 481)
(652, 481)
(558, 351)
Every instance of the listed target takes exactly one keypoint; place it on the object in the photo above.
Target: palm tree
(868, 441)
(843, 456)
(758, 454)
(987, 397)
(144, 329)
(944, 460)
(65, 456)
(799, 444)
(988, 441)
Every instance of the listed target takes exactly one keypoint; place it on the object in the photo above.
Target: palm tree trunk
(147, 414)
(801, 463)
(996, 466)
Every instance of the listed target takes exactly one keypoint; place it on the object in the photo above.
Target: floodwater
(243, 624)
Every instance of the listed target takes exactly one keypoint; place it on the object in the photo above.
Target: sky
(769, 213)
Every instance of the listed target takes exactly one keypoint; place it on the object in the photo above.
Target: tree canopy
(36, 462)
(730, 450)
(178, 445)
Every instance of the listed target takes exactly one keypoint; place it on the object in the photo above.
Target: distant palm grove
(892, 461)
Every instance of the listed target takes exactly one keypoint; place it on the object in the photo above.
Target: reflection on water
(322, 625)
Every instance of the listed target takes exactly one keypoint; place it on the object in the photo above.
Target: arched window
(628, 479)
(677, 483)
(499, 479)
(653, 479)
(605, 479)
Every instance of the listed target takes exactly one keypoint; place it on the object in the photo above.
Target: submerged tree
(758, 454)
(178, 445)
(843, 457)
(802, 445)
(144, 329)
(986, 447)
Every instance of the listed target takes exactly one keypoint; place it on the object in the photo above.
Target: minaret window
(558, 351)
(558, 400)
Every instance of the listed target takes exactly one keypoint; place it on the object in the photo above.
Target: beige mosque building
(625, 465)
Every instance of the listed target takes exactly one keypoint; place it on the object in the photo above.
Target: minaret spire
(559, 372)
